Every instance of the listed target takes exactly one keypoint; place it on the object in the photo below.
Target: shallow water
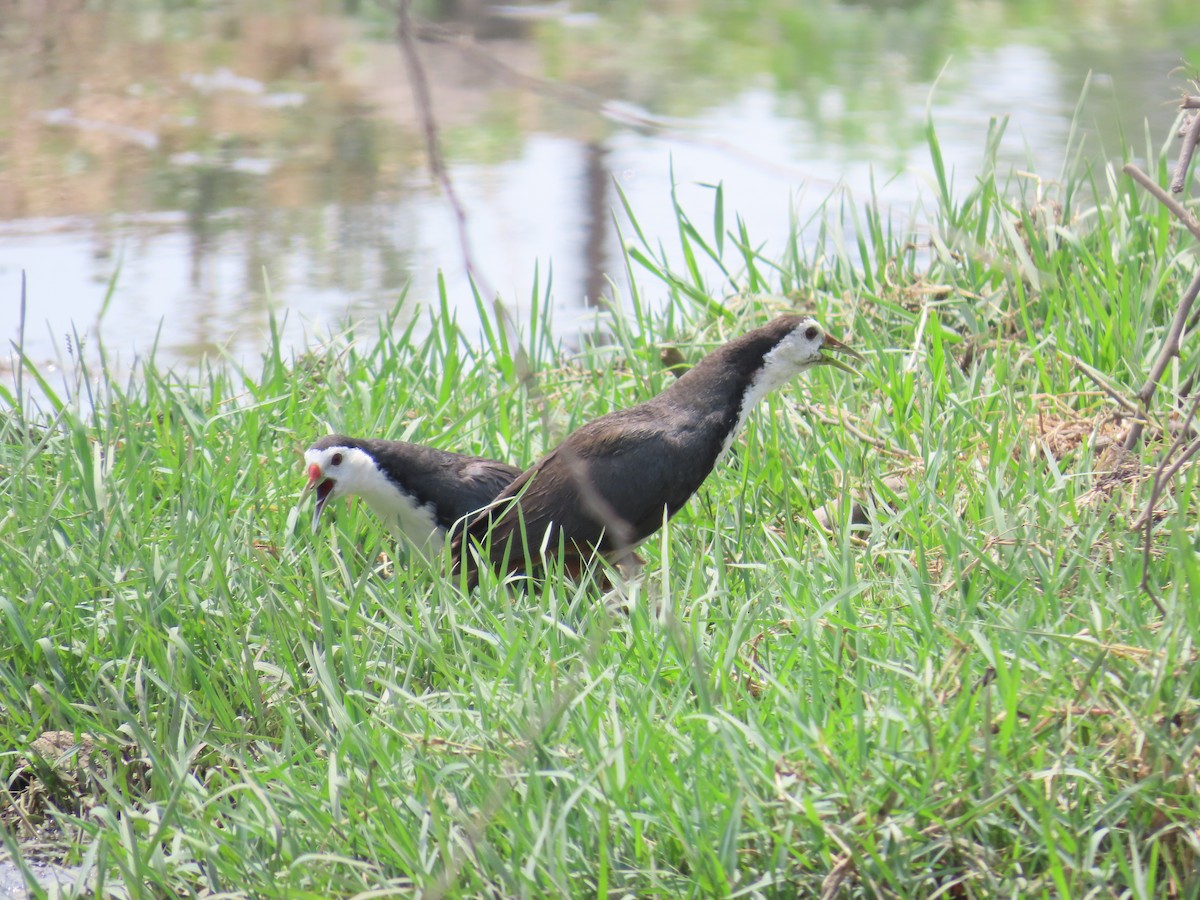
(12, 884)
(217, 164)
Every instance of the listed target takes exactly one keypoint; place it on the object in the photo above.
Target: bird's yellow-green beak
(832, 343)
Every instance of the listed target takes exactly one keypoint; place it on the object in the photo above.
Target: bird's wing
(457, 485)
(605, 487)
(482, 479)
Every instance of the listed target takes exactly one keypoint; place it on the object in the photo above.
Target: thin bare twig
(565, 93)
(1185, 154)
(843, 868)
(1173, 460)
(619, 112)
(1100, 381)
(1171, 343)
(823, 416)
(1178, 209)
(1170, 348)
(441, 173)
(1181, 461)
(433, 146)
(1189, 383)
(1162, 476)
(1166, 469)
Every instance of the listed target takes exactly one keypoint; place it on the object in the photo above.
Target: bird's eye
(336, 460)
(811, 333)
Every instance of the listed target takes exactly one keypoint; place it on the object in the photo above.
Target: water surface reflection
(247, 157)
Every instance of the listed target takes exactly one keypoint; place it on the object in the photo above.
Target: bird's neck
(721, 391)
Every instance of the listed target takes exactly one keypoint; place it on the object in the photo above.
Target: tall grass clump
(954, 686)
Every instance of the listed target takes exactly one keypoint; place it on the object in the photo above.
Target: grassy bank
(970, 693)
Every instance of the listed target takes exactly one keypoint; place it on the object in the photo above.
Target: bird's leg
(631, 566)
(620, 592)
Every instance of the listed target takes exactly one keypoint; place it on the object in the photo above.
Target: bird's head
(337, 468)
(804, 345)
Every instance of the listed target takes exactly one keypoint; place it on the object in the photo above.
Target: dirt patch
(63, 770)
(1063, 434)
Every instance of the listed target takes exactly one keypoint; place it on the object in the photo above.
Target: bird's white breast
(764, 382)
(398, 510)
(416, 524)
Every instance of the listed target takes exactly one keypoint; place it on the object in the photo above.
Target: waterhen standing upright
(613, 481)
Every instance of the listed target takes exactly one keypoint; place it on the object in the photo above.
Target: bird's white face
(349, 471)
(800, 349)
(805, 346)
(340, 471)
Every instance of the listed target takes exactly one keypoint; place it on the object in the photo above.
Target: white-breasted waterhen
(417, 491)
(613, 481)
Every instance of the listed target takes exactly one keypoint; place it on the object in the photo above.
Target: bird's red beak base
(323, 486)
